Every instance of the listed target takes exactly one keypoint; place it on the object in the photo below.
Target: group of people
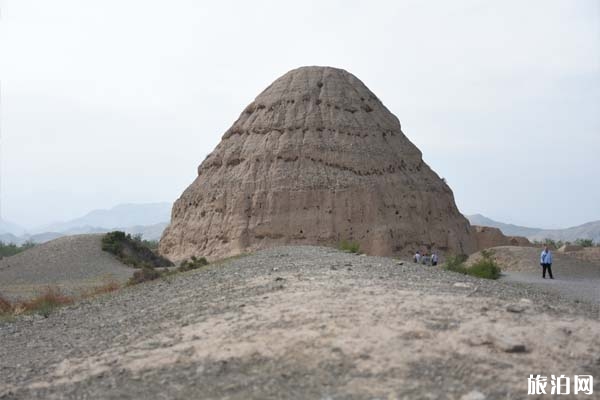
(425, 258)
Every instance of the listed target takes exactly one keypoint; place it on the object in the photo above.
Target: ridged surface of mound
(315, 159)
(72, 263)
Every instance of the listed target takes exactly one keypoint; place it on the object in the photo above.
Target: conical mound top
(316, 158)
(326, 95)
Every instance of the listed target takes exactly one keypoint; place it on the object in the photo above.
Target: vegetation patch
(151, 244)
(192, 263)
(486, 267)
(6, 306)
(456, 263)
(349, 246)
(108, 287)
(559, 243)
(144, 274)
(132, 250)
(584, 242)
(50, 299)
(46, 302)
(42, 304)
(10, 249)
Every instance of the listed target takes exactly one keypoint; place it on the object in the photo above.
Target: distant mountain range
(10, 228)
(118, 216)
(590, 230)
(148, 220)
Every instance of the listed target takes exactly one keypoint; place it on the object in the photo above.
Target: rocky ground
(303, 322)
(71, 263)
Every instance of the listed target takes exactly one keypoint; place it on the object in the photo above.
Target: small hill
(587, 254)
(72, 263)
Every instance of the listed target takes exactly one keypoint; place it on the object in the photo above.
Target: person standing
(434, 259)
(546, 262)
(417, 257)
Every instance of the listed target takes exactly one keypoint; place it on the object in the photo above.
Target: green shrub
(113, 242)
(151, 244)
(486, 267)
(10, 249)
(132, 250)
(192, 263)
(144, 274)
(350, 247)
(584, 242)
(456, 263)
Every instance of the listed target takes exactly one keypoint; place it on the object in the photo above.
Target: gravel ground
(72, 263)
(302, 322)
(566, 284)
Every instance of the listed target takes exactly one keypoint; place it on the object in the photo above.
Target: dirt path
(565, 284)
(303, 322)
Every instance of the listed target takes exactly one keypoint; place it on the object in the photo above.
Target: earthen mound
(316, 158)
(492, 237)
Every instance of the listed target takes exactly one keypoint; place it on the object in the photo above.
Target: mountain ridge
(588, 230)
(121, 215)
(146, 219)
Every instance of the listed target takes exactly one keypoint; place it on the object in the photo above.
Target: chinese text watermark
(582, 384)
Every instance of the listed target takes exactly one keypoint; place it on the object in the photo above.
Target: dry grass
(47, 301)
(50, 299)
(5, 305)
(144, 274)
(108, 287)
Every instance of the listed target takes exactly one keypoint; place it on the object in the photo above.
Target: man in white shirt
(546, 262)
(417, 257)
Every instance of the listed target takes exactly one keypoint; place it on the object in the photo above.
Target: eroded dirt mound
(303, 322)
(488, 237)
(72, 263)
(587, 254)
(316, 159)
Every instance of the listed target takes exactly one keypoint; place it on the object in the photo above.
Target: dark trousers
(549, 268)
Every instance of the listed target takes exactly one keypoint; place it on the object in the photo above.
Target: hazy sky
(105, 102)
